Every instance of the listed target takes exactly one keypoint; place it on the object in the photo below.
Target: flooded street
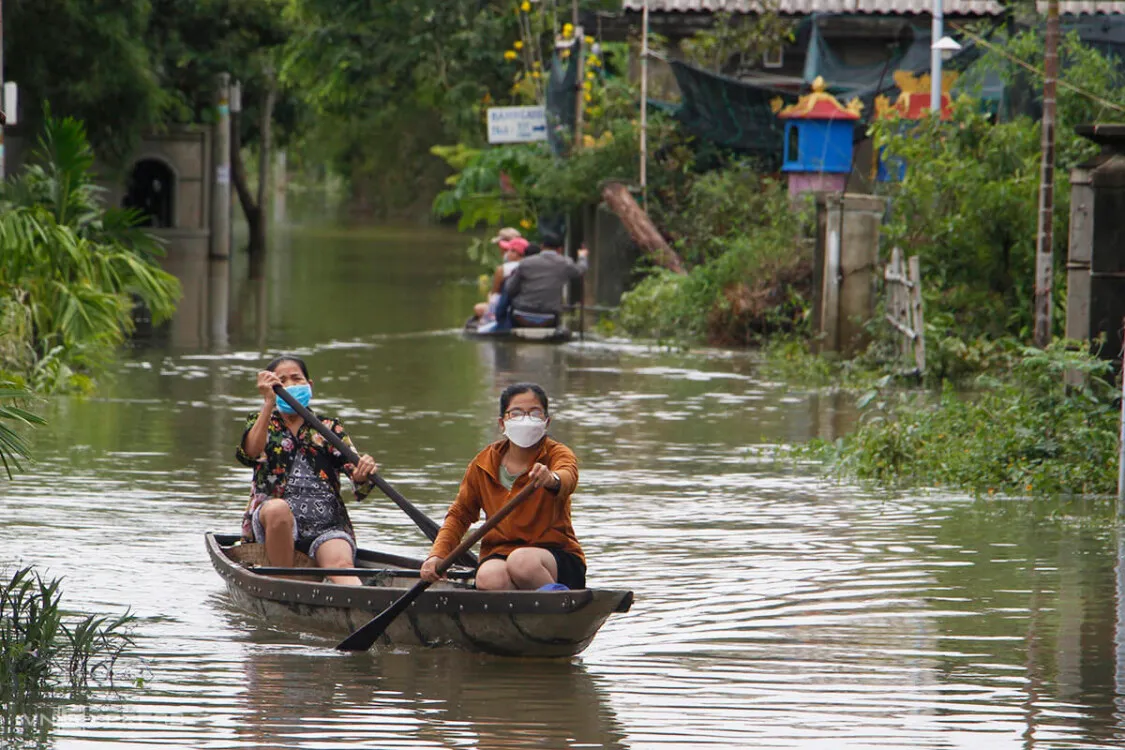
(775, 608)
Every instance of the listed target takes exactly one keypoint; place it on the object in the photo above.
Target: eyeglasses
(535, 413)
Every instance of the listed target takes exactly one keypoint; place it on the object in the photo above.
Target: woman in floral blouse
(295, 499)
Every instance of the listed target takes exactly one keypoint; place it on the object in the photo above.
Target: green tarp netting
(730, 112)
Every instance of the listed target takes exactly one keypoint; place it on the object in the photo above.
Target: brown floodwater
(775, 607)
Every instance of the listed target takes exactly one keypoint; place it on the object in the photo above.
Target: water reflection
(298, 697)
(203, 317)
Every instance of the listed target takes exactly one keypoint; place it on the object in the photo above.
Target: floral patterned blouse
(271, 469)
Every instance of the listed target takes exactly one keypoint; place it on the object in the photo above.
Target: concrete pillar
(1096, 255)
(220, 185)
(844, 277)
(1080, 246)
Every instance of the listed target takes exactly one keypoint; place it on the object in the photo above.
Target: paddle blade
(366, 635)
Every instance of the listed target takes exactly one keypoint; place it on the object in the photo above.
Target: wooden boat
(556, 335)
(448, 614)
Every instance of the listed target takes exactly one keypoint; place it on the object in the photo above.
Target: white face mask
(525, 431)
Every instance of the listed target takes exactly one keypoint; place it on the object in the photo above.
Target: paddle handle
(468, 542)
(428, 526)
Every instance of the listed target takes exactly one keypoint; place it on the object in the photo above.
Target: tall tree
(388, 80)
(89, 60)
(192, 43)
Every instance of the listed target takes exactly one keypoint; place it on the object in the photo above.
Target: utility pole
(579, 85)
(3, 104)
(220, 185)
(936, 33)
(1044, 257)
(644, 107)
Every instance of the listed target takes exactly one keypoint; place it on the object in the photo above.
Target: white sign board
(517, 124)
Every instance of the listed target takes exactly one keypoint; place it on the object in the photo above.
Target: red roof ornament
(818, 105)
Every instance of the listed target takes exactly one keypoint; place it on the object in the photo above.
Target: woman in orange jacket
(535, 546)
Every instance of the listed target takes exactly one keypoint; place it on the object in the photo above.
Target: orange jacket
(542, 520)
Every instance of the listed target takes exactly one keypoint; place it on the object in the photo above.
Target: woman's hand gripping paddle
(364, 637)
(424, 522)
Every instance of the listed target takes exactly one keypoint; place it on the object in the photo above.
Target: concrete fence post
(844, 272)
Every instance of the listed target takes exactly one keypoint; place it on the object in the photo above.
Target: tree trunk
(266, 152)
(640, 227)
(251, 210)
(255, 211)
(1044, 255)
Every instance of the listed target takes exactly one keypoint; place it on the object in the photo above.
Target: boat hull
(558, 335)
(448, 614)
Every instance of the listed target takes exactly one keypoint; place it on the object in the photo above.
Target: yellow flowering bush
(541, 36)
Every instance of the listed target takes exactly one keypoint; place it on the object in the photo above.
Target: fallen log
(640, 227)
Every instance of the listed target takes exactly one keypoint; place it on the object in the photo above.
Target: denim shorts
(308, 545)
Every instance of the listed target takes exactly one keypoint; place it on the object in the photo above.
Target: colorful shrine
(818, 144)
(913, 103)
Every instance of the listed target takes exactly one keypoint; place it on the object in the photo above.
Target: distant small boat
(553, 335)
(449, 614)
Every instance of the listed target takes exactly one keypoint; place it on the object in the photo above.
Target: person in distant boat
(295, 501)
(535, 546)
(532, 295)
(514, 250)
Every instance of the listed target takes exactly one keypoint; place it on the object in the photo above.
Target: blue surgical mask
(303, 394)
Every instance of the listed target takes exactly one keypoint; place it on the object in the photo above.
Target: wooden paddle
(421, 520)
(364, 637)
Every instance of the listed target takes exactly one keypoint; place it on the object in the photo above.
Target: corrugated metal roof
(1086, 7)
(881, 7)
(807, 7)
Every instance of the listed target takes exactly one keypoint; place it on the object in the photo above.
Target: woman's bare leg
(277, 520)
(337, 553)
(532, 567)
(492, 575)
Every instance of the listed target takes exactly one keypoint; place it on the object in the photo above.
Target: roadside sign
(517, 124)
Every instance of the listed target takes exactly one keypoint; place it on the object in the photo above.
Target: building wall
(186, 150)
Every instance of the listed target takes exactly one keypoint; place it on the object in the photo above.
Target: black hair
(289, 358)
(550, 238)
(532, 249)
(516, 389)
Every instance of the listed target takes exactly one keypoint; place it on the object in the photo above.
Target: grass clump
(42, 654)
(1021, 433)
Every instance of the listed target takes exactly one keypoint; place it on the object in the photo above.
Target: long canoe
(450, 614)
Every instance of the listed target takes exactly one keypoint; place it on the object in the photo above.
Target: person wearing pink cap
(514, 249)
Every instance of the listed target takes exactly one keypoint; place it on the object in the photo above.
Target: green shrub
(1022, 432)
(70, 269)
(751, 266)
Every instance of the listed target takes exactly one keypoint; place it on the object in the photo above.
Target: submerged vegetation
(1017, 431)
(46, 655)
